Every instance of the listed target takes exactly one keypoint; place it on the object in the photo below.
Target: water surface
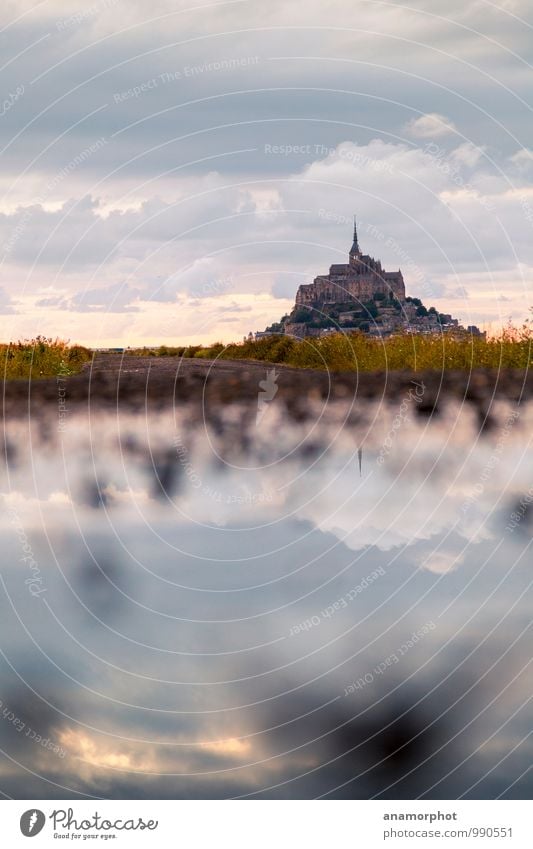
(216, 603)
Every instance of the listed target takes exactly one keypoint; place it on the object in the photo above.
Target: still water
(240, 603)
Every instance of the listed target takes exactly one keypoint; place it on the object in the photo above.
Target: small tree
(370, 309)
(301, 315)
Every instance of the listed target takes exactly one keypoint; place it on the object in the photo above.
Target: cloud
(443, 559)
(435, 217)
(118, 298)
(7, 305)
(430, 126)
(523, 158)
(467, 154)
(200, 280)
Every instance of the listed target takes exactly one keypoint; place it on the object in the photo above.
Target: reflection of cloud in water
(160, 655)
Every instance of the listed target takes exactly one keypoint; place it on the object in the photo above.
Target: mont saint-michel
(361, 295)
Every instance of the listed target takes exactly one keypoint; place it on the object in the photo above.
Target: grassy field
(41, 357)
(356, 351)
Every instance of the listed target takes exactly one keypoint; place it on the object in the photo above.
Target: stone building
(359, 279)
(360, 296)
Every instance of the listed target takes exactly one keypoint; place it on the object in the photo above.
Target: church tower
(355, 252)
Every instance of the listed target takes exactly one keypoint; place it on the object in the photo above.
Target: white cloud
(430, 126)
(523, 157)
(7, 304)
(467, 154)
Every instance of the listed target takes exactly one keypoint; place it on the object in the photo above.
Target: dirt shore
(133, 383)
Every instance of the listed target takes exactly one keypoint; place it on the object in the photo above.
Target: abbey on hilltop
(359, 279)
(361, 295)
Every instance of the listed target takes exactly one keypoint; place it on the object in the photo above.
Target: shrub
(356, 350)
(301, 315)
(41, 357)
(192, 350)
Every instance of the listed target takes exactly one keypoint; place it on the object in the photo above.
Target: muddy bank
(134, 383)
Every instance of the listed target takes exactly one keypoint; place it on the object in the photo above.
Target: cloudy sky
(173, 172)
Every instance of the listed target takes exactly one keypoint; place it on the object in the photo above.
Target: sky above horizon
(172, 173)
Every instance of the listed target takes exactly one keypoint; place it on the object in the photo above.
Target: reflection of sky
(168, 654)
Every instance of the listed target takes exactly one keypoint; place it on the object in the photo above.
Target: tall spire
(355, 247)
